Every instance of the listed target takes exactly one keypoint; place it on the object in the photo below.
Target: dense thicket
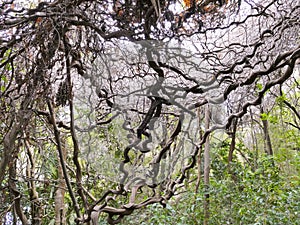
(111, 106)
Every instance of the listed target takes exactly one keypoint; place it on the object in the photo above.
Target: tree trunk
(199, 172)
(267, 139)
(232, 144)
(60, 212)
(20, 122)
(232, 148)
(254, 140)
(36, 207)
(206, 168)
(16, 193)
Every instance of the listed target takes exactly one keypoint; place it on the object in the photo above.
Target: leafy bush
(264, 196)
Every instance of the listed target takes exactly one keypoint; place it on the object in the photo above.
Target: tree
(119, 83)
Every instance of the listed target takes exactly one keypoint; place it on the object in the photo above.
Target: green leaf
(281, 99)
(264, 116)
(259, 86)
(4, 79)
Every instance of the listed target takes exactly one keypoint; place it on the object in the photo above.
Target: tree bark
(232, 144)
(232, 148)
(8, 147)
(200, 152)
(62, 161)
(267, 139)
(16, 193)
(36, 208)
(60, 218)
(206, 168)
(18, 125)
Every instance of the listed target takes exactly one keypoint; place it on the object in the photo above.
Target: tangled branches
(127, 78)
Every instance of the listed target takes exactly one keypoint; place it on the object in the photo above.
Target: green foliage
(280, 99)
(271, 118)
(259, 86)
(244, 195)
